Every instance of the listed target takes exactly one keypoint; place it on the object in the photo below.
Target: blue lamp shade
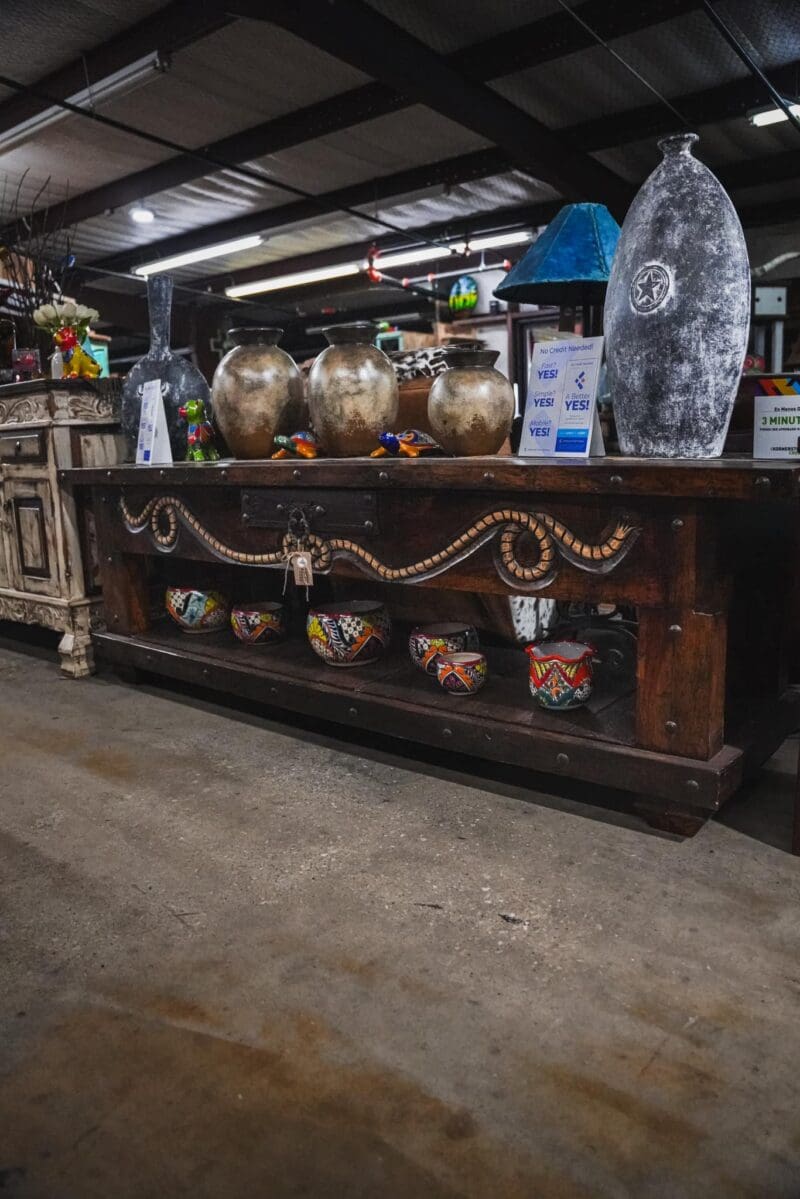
(569, 263)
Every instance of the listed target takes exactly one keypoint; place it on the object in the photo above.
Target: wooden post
(126, 600)
(680, 699)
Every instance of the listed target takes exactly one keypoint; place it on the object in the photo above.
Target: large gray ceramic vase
(180, 379)
(677, 312)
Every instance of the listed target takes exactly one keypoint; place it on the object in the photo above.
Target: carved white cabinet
(48, 564)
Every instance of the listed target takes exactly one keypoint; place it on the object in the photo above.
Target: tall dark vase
(180, 379)
(677, 311)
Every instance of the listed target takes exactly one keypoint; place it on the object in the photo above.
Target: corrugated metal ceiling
(251, 72)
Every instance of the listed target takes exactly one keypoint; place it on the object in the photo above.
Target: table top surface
(731, 478)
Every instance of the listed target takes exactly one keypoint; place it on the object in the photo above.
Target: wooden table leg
(796, 824)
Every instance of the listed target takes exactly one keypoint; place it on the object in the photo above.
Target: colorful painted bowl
(461, 674)
(428, 641)
(197, 611)
(258, 623)
(561, 673)
(349, 634)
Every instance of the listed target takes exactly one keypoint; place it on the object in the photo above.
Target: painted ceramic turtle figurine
(409, 444)
(200, 445)
(299, 445)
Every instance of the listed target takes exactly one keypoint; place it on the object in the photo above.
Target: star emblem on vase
(650, 288)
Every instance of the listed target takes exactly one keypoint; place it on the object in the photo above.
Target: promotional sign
(776, 428)
(153, 445)
(561, 416)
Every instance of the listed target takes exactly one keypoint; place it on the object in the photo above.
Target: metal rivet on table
(296, 472)
(675, 630)
(692, 785)
(383, 476)
(161, 474)
(487, 736)
(369, 526)
(273, 690)
(562, 759)
(245, 516)
(116, 616)
(109, 557)
(206, 672)
(488, 477)
(447, 732)
(223, 474)
(319, 510)
(677, 524)
(671, 726)
(616, 480)
(353, 711)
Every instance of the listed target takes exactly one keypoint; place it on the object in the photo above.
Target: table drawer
(17, 446)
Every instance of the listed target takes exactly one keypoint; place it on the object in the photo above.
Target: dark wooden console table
(705, 552)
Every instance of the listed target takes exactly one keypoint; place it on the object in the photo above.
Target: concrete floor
(242, 960)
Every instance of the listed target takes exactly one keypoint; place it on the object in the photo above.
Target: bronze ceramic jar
(471, 405)
(352, 392)
(257, 392)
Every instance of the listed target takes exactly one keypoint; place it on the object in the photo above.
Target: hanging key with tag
(299, 556)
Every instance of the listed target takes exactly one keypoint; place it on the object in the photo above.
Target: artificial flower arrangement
(68, 324)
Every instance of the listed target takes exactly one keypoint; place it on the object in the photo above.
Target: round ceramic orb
(461, 674)
(470, 406)
(560, 673)
(258, 623)
(349, 634)
(197, 611)
(352, 392)
(258, 392)
(428, 641)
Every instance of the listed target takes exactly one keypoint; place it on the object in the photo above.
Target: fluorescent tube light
(421, 254)
(772, 116)
(205, 252)
(298, 279)
(142, 215)
(496, 240)
(121, 82)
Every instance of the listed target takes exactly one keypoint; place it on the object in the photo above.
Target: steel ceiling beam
(172, 27)
(357, 34)
(526, 46)
(466, 167)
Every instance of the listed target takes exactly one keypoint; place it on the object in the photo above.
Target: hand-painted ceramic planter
(461, 674)
(561, 673)
(197, 611)
(677, 311)
(349, 634)
(427, 642)
(258, 624)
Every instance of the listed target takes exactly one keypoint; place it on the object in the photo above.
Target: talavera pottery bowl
(461, 674)
(428, 641)
(349, 634)
(197, 611)
(560, 673)
(258, 623)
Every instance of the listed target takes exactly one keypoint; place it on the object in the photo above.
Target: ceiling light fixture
(175, 261)
(421, 254)
(771, 116)
(297, 279)
(119, 83)
(141, 215)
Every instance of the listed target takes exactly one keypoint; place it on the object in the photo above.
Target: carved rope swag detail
(163, 515)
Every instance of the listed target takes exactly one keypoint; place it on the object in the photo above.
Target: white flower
(48, 313)
(68, 311)
(40, 319)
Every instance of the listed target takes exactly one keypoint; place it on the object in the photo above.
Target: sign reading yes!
(561, 410)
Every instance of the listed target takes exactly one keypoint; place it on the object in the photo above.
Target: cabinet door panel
(31, 538)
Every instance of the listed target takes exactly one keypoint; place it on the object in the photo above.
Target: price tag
(302, 570)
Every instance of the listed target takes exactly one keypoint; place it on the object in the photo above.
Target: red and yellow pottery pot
(428, 641)
(258, 623)
(349, 634)
(461, 674)
(197, 611)
(561, 673)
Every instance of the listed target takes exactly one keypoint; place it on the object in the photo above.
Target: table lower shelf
(396, 699)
